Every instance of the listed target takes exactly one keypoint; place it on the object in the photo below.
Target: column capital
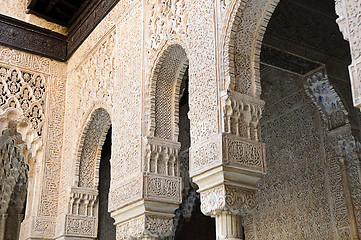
(228, 199)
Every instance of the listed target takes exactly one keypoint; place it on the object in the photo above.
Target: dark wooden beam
(30, 38)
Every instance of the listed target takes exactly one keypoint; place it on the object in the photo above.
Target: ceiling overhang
(36, 40)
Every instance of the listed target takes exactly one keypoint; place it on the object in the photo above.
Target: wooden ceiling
(62, 12)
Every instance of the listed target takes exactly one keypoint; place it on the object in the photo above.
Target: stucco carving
(243, 45)
(145, 226)
(226, 198)
(166, 18)
(90, 149)
(325, 97)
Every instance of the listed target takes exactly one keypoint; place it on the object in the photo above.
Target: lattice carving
(26, 92)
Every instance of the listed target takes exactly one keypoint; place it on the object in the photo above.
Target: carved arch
(89, 150)
(244, 35)
(165, 84)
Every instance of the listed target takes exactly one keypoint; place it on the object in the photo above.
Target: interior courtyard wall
(121, 31)
(40, 215)
(302, 195)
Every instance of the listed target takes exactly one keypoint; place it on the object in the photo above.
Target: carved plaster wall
(303, 187)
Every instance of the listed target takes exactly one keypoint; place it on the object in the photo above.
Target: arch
(164, 88)
(244, 35)
(89, 149)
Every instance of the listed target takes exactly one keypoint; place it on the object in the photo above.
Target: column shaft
(229, 226)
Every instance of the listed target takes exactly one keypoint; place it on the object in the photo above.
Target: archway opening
(305, 84)
(106, 227)
(190, 222)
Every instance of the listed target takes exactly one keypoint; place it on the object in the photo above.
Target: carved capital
(226, 198)
(145, 226)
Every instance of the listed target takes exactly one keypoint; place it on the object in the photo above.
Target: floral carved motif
(166, 17)
(145, 226)
(232, 199)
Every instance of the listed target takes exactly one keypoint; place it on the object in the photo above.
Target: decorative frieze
(244, 153)
(81, 226)
(163, 188)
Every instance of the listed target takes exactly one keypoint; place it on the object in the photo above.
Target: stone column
(228, 166)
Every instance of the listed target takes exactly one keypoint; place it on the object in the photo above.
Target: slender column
(229, 226)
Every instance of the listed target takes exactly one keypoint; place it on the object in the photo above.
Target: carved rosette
(226, 198)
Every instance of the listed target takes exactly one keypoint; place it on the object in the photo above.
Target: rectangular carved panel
(165, 188)
(244, 153)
